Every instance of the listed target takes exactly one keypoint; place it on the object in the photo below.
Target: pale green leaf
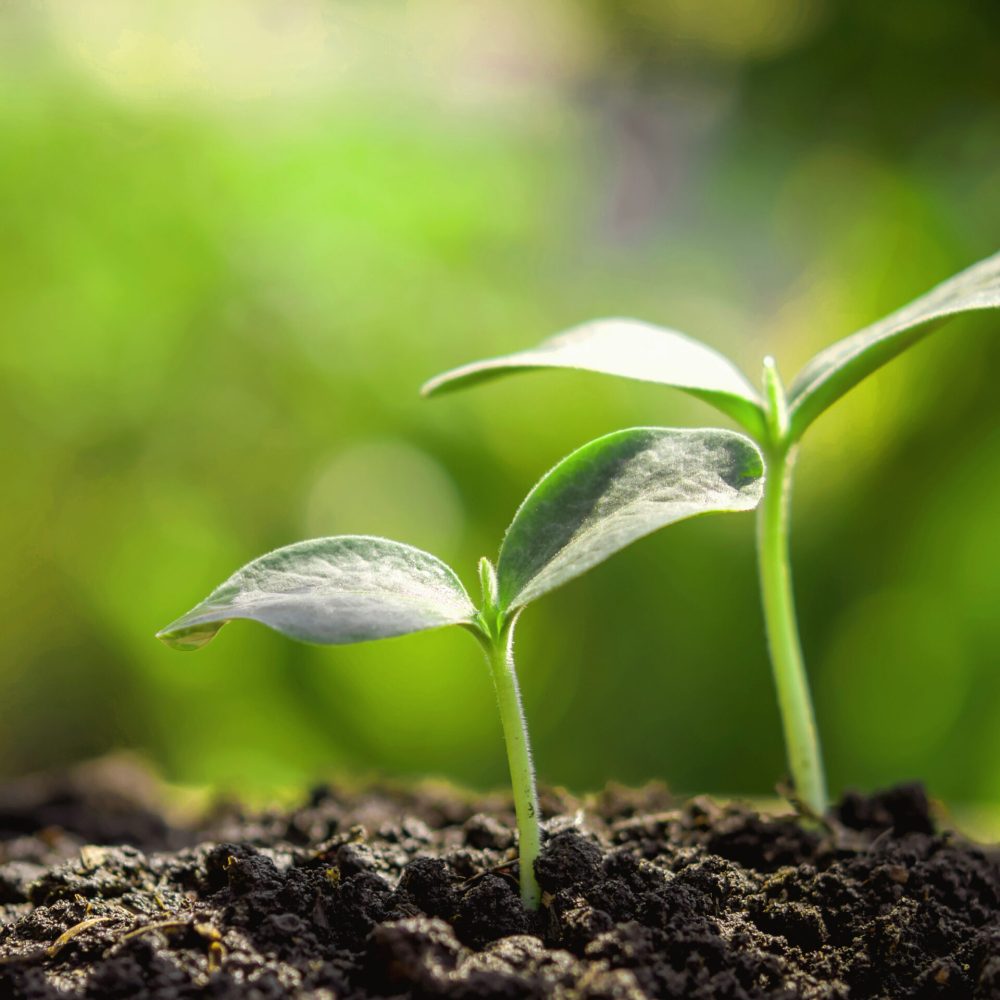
(631, 349)
(615, 490)
(839, 368)
(332, 591)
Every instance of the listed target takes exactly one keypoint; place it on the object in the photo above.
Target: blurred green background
(237, 236)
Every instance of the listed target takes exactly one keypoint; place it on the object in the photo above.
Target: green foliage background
(237, 236)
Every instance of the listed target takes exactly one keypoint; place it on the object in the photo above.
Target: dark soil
(414, 894)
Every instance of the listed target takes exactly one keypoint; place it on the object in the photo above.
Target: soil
(413, 893)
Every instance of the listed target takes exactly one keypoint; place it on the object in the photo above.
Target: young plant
(599, 499)
(776, 419)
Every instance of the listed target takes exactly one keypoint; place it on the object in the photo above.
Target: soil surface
(414, 894)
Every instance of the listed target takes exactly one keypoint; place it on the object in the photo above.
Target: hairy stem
(794, 701)
(500, 653)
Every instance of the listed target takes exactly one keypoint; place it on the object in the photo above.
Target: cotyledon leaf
(332, 591)
(615, 490)
(835, 371)
(631, 349)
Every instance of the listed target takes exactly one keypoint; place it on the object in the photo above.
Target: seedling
(776, 419)
(602, 497)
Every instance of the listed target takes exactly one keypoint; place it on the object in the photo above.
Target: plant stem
(500, 654)
(798, 720)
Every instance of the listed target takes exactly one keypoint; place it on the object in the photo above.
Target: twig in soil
(50, 951)
(162, 925)
(503, 869)
(216, 955)
(215, 951)
(68, 935)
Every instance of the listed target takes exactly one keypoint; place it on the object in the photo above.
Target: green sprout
(596, 501)
(776, 419)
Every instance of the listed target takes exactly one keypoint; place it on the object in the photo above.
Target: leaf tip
(444, 382)
(188, 638)
(430, 387)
